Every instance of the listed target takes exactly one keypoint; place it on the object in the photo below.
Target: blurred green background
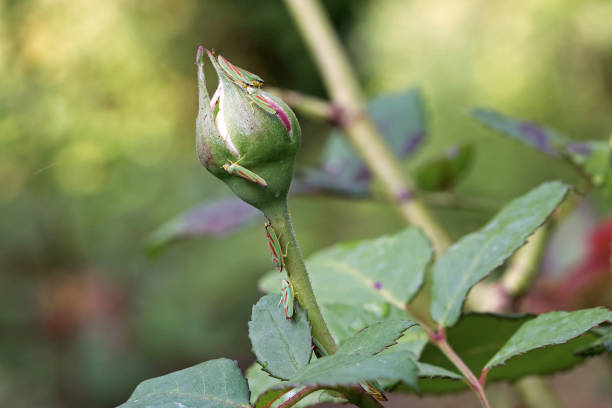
(97, 110)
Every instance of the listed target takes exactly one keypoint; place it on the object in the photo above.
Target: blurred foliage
(97, 109)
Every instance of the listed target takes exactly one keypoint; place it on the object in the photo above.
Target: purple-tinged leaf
(211, 219)
(545, 140)
(401, 119)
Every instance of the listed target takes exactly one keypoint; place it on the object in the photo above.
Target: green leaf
(431, 371)
(266, 389)
(352, 369)
(493, 331)
(599, 346)
(355, 360)
(413, 340)
(474, 256)
(387, 269)
(549, 329)
(595, 157)
(445, 171)
(216, 383)
(375, 338)
(545, 140)
(282, 346)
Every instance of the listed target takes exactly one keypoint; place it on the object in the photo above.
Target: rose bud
(245, 136)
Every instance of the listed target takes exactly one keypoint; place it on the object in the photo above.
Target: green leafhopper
(236, 170)
(287, 298)
(257, 97)
(275, 247)
(241, 76)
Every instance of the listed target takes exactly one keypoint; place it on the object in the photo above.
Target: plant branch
(298, 275)
(399, 188)
(307, 105)
(471, 380)
(345, 93)
(295, 398)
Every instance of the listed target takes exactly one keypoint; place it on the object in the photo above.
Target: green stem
(307, 105)
(345, 93)
(297, 273)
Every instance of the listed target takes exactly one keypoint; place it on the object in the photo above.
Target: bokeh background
(97, 110)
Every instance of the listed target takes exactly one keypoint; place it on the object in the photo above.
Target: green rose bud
(245, 136)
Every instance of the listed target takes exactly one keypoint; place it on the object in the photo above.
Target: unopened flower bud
(245, 136)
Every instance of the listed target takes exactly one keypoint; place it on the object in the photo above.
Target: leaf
(595, 157)
(549, 329)
(474, 256)
(352, 369)
(341, 170)
(354, 355)
(599, 346)
(493, 332)
(431, 371)
(211, 219)
(266, 389)
(445, 171)
(375, 338)
(282, 346)
(387, 269)
(215, 383)
(400, 118)
(545, 140)
(413, 340)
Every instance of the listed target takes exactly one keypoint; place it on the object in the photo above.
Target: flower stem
(278, 214)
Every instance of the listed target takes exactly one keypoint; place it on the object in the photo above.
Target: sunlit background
(97, 110)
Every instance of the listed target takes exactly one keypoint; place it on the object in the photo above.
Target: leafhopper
(256, 96)
(275, 247)
(241, 76)
(287, 298)
(235, 169)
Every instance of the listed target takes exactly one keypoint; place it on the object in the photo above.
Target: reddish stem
(298, 396)
(439, 339)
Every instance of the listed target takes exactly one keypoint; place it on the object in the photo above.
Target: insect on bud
(245, 136)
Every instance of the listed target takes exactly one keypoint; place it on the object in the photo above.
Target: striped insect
(275, 247)
(287, 298)
(374, 389)
(240, 76)
(318, 349)
(371, 387)
(235, 169)
(258, 98)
